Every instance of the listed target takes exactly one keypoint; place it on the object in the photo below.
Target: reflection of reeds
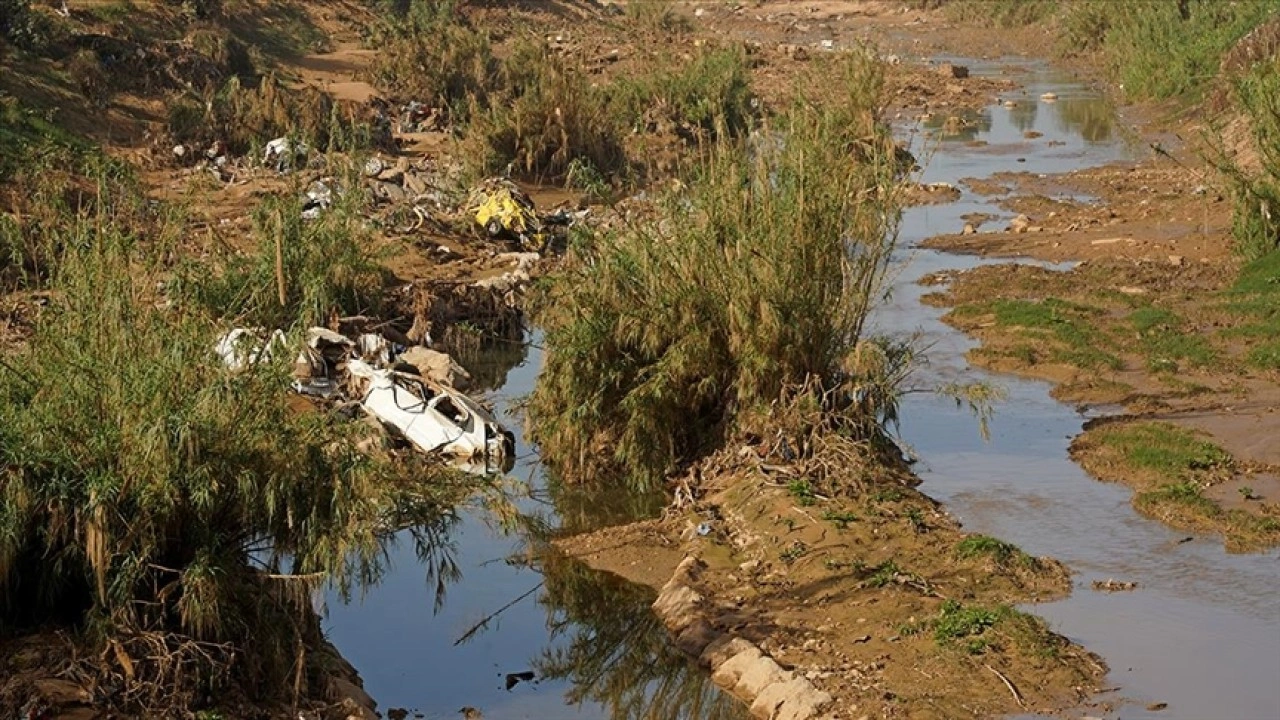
(616, 652)
(1089, 118)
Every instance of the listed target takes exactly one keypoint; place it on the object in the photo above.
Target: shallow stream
(1201, 633)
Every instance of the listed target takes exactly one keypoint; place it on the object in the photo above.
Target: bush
(547, 116)
(149, 496)
(247, 117)
(324, 269)
(1255, 184)
(756, 279)
(429, 53)
(1156, 53)
(710, 94)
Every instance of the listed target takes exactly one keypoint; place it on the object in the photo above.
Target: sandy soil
(854, 589)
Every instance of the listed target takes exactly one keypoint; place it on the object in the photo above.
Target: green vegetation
(324, 269)
(1069, 326)
(802, 491)
(840, 519)
(535, 111)
(1001, 552)
(1164, 343)
(755, 282)
(150, 497)
(1164, 448)
(1255, 183)
(1171, 468)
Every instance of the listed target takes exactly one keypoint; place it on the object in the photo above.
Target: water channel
(1202, 632)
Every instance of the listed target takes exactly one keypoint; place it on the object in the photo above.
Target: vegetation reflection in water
(616, 652)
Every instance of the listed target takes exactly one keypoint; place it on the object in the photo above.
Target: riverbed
(464, 625)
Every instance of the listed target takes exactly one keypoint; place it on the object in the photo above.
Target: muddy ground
(878, 597)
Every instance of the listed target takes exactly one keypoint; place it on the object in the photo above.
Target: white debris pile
(413, 391)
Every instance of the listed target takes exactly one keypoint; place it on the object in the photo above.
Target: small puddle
(1201, 632)
(466, 611)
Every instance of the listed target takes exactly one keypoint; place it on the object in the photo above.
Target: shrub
(1157, 53)
(150, 496)
(710, 94)
(246, 117)
(1255, 183)
(547, 117)
(323, 269)
(429, 53)
(756, 279)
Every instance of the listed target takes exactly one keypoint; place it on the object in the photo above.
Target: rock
(794, 700)
(1157, 707)
(969, 229)
(723, 648)
(950, 70)
(677, 607)
(759, 675)
(828, 45)
(1019, 224)
(697, 637)
(1049, 97)
(1177, 260)
(731, 670)
(1009, 104)
(437, 366)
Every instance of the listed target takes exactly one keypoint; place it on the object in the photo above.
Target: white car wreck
(433, 417)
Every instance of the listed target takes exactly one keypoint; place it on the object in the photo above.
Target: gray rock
(759, 675)
(730, 671)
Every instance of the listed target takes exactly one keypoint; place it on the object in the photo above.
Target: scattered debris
(958, 72)
(241, 347)
(1049, 97)
(514, 679)
(1113, 585)
(284, 154)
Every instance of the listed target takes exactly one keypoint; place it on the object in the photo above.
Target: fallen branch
(1012, 690)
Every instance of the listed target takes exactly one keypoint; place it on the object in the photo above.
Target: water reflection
(1090, 118)
(615, 652)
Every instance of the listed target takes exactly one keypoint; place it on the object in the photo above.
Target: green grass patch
(1067, 324)
(802, 491)
(1164, 448)
(1003, 553)
(1165, 344)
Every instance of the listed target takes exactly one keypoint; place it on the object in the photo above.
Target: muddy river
(472, 617)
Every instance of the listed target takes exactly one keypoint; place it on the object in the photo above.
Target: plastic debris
(284, 154)
(241, 347)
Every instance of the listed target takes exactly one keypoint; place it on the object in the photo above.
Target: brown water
(1202, 631)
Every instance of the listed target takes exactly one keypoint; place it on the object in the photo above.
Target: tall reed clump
(301, 272)
(759, 277)
(546, 116)
(1255, 180)
(149, 496)
(431, 54)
